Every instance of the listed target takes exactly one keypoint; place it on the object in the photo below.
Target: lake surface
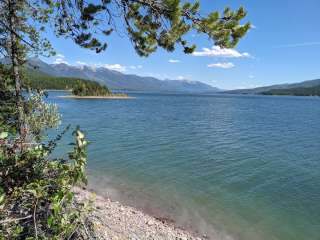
(233, 167)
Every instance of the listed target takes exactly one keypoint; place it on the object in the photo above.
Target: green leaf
(3, 135)
(50, 221)
(34, 192)
(2, 196)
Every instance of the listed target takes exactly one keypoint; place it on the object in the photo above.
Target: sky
(282, 47)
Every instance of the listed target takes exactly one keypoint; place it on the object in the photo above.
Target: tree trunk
(14, 43)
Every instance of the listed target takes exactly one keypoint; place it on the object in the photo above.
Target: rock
(183, 238)
(149, 223)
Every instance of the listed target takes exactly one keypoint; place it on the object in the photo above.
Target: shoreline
(114, 220)
(96, 97)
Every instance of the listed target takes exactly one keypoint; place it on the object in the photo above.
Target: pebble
(149, 223)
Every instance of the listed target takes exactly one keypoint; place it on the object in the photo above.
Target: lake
(228, 166)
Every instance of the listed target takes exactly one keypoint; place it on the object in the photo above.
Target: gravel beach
(111, 220)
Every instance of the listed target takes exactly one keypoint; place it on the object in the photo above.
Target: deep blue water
(238, 167)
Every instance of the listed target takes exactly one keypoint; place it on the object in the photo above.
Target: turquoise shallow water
(233, 167)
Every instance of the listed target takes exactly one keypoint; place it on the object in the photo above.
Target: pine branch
(16, 34)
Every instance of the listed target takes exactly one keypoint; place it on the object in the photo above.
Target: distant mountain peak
(116, 80)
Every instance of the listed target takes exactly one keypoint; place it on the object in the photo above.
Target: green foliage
(8, 112)
(25, 20)
(36, 199)
(149, 23)
(90, 89)
(40, 115)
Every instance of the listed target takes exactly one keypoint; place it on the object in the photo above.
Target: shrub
(36, 198)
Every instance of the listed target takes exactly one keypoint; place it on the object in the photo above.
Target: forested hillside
(305, 88)
(299, 91)
(39, 80)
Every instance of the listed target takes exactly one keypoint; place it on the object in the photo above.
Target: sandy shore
(112, 220)
(97, 97)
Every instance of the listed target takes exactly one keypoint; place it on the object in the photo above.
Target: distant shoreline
(96, 97)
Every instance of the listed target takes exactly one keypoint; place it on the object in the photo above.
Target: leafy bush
(36, 198)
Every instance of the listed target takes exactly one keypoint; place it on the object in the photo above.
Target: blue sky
(283, 46)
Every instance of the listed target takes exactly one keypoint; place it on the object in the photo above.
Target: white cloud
(174, 61)
(217, 51)
(187, 78)
(221, 65)
(253, 26)
(81, 63)
(117, 67)
(60, 60)
(251, 76)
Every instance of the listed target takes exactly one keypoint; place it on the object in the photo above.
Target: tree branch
(17, 35)
(15, 219)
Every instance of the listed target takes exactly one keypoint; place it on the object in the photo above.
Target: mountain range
(305, 85)
(115, 80)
